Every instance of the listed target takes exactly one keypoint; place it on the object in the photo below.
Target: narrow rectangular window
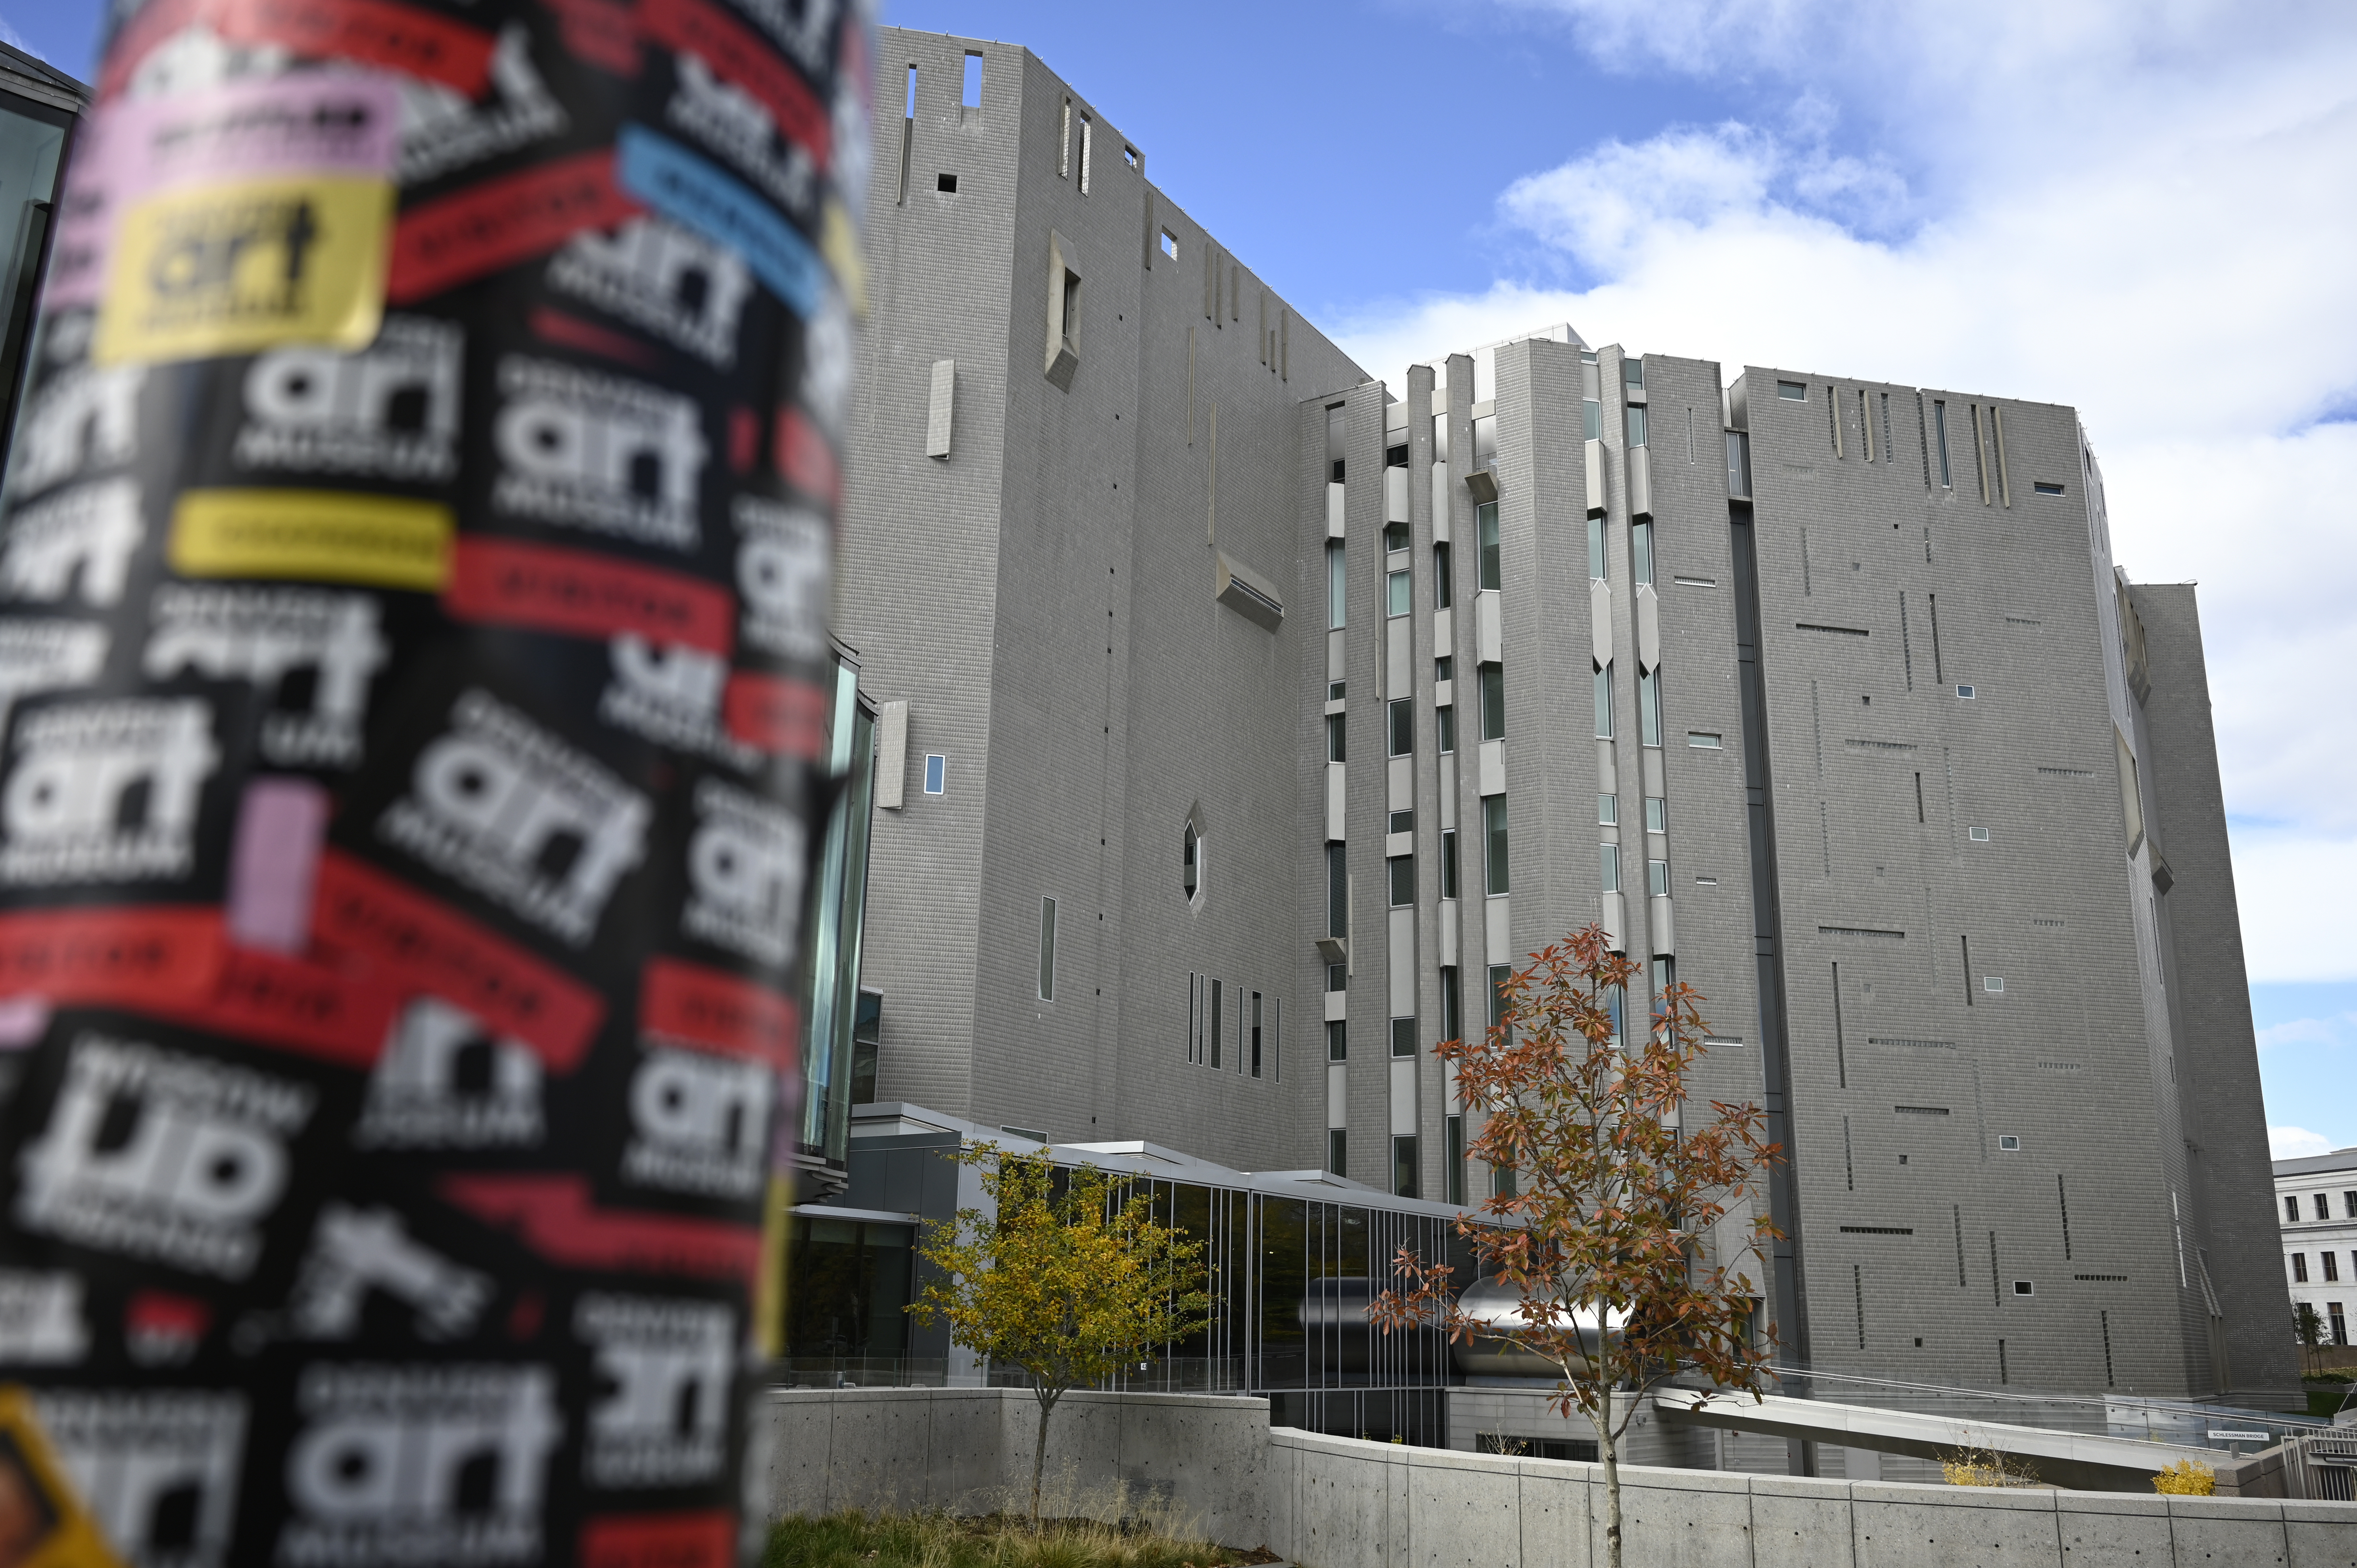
(1500, 974)
(1940, 433)
(1455, 1133)
(1640, 552)
(1649, 707)
(2323, 1207)
(1493, 701)
(1337, 891)
(1088, 150)
(1603, 702)
(1444, 582)
(1402, 868)
(1596, 568)
(1608, 857)
(2291, 1209)
(1657, 814)
(1403, 1037)
(1452, 1004)
(1449, 863)
(1335, 583)
(1048, 949)
(1194, 1016)
(1063, 133)
(937, 774)
(1493, 832)
(1397, 588)
(1636, 424)
(1444, 722)
(1219, 1021)
(1657, 878)
(1404, 1167)
(1885, 428)
(1607, 810)
(1486, 516)
(2349, 1205)
(1256, 1033)
(1338, 1148)
(1403, 725)
(1338, 1041)
(2331, 1267)
(973, 78)
(1337, 738)
(2299, 1268)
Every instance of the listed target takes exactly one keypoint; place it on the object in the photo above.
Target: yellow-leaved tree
(1068, 1277)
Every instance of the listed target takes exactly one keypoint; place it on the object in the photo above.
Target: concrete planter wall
(1337, 1502)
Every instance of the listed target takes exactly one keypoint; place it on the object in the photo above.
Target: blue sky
(2141, 209)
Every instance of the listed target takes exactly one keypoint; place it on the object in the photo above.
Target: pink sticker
(337, 122)
(274, 864)
(23, 1021)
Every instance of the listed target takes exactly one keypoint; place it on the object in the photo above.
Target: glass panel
(1604, 702)
(1402, 727)
(1649, 707)
(1636, 424)
(1657, 878)
(1403, 880)
(1657, 814)
(1396, 589)
(1596, 570)
(32, 138)
(1485, 442)
(1607, 810)
(1609, 854)
(1640, 552)
(1493, 825)
(1486, 516)
(1444, 583)
(1493, 701)
(1446, 723)
(1449, 863)
(1334, 584)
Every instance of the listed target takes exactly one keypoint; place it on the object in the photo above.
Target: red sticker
(111, 955)
(363, 32)
(557, 1219)
(295, 1006)
(423, 943)
(786, 718)
(576, 594)
(701, 1006)
(742, 57)
(570, 331)
(659, 1540)
(601, 33)
(805, 458)
(502, 223)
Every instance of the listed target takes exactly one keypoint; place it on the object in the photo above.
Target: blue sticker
(690, 191)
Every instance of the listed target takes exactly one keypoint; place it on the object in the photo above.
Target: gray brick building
(1823, 695)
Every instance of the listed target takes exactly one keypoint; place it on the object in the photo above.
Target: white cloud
(2302, 1032)
(2296, 1143)
(2139, 210)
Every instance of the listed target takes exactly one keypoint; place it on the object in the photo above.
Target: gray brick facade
(1997, 1009)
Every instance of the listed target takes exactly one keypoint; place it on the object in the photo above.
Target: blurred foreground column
(412, 579)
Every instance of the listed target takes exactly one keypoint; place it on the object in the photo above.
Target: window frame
(1485, 525)
(1497, 876)
(1607, 867)
(1449, 863)
(1338, 586)
(1493, 701)
(936, 773)
(1641, 552)
(1399, 879)
(1444, 724)
(1599, 568)
(1444, 580)
(1399, 593)
(1399, 727)
(1046, 948)
(1603, 699)
(1648, 706)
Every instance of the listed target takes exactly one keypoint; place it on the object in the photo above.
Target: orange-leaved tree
(1066, 1277)
(1616, 1184)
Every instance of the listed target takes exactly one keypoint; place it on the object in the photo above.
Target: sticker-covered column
(413, 565)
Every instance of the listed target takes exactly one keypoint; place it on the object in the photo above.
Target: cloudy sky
(2145, 207)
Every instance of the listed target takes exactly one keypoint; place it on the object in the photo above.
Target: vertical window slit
(1958, 1209)
(1857, 1289)
(1849, 1167)
(1841, 1055)
(2062, 1199)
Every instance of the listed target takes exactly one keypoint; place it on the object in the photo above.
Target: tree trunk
(1612, 1458)
(1039, 1453)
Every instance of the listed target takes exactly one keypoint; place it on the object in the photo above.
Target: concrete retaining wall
(1338, 1502)
(1198, 1459)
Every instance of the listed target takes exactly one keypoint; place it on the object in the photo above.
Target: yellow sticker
(331, 535)
(231, 269)
(42, 1523)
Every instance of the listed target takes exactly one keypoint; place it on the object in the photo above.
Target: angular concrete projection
(2078, 1460)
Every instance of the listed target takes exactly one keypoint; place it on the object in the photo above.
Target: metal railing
(2320, 1469)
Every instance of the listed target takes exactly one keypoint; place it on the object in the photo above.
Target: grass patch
(853, 1540)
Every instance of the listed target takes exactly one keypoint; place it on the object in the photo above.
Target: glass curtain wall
(837, 916)
(34, 135)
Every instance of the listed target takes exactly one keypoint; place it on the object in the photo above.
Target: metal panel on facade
(1493, 768)
(1338, 1095)
(939, 406)
(1334, 509)
(1640, 482)
(1399, 661)
(1396, 495)
(1666, 930)
(1400, 774)
(1403, 962)
(891, 754)
(1440, 503)
(1595, 477)
(1490, 639)
(1444, 633)
(1648, 627)
(1614, 921)
(1494, 929)
(1335, 772)
(1403, 1098)
(1599, 620)
(1449, 908)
